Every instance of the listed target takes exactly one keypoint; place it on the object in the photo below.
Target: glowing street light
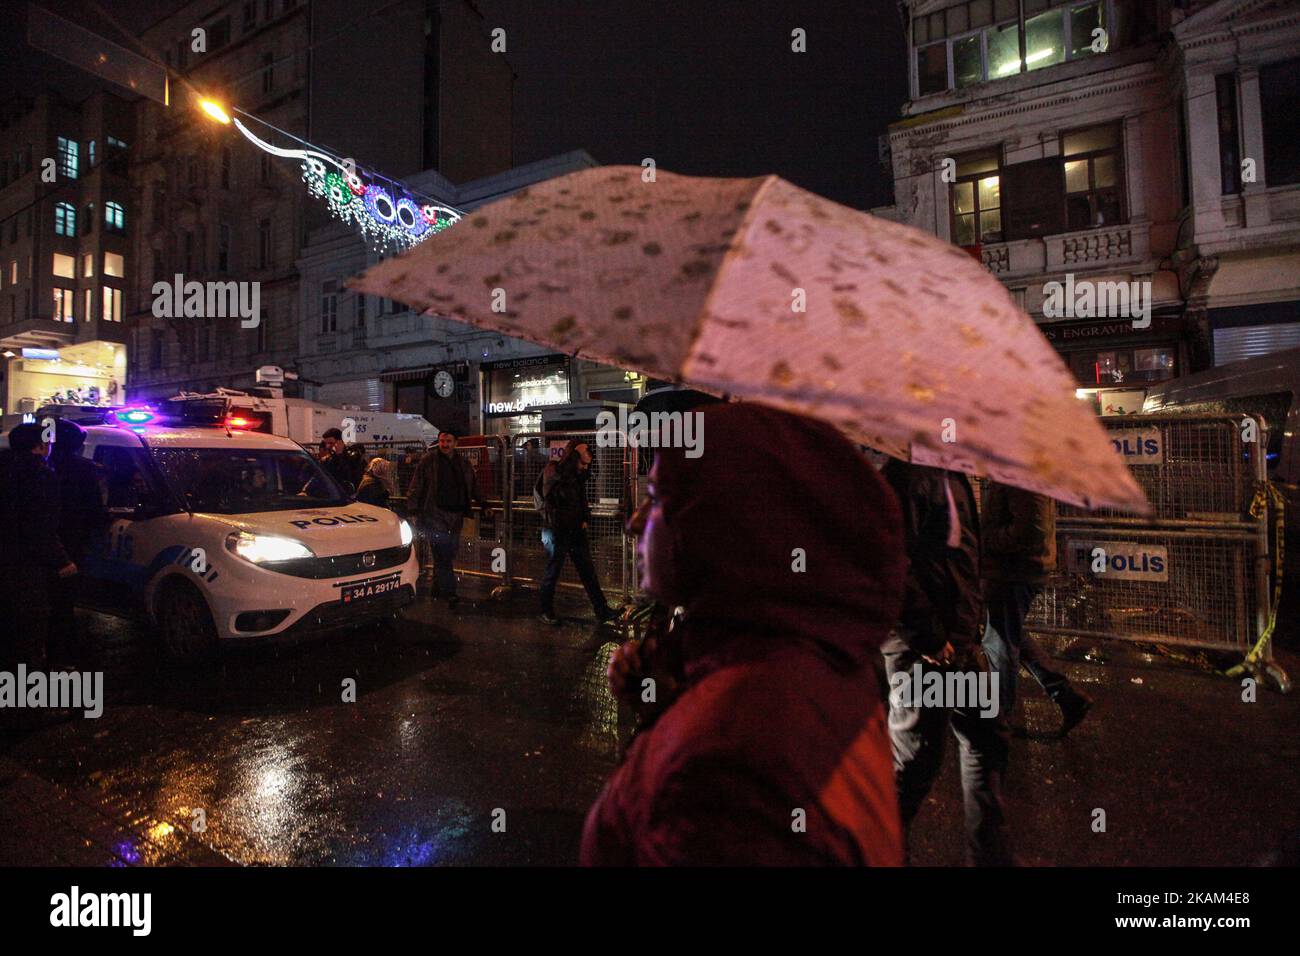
(215, 110)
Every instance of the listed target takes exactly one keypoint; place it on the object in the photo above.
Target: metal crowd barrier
(1197, 572)
(507, 546)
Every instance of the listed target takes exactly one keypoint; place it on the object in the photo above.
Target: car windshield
(246, 481)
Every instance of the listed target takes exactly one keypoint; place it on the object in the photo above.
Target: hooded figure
(379, 483)
(785, 548)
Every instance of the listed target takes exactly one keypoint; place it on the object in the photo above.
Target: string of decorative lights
(386, 212)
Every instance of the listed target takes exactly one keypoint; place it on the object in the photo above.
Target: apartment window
(264, 244)
(268, 72)
(68, 157)
(218, 34)
(112, 304)
(979, 40)
(223, 248)
(88, 266)
(114, 265)
(63, 299)
(114, 216)
(361, 311)
(13, 271)
(65, 267)
(225, 168)
(1093, 173)
(116, 143)
(88, 312)
(250, 15)
(329, 306)
(90, 153)
(1279, 101)
(1225, 88)
(977, 200)
(65, 219)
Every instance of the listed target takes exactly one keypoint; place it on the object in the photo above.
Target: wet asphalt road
(459, 714)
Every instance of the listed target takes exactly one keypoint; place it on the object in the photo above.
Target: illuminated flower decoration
(410, 218)
(314, 168)
(380, 205)
(355, 184)
(429, 214)
(336, 189)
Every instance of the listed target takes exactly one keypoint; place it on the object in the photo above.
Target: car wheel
(184, 622)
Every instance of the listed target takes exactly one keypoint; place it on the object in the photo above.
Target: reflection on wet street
(480, 715)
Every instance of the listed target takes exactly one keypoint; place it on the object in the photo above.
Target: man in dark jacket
(937, 644)
(789, 568)
(1019, 556)
(345, 463)
(31, 554)
(442, 489)
(82, 520)
(565, 516)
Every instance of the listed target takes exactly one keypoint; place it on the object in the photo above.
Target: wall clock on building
(443, 384)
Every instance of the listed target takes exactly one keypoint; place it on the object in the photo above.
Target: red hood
(768, 482)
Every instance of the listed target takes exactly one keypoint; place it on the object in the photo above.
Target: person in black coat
(82, 520)
(565, 516)
(939, 634)
(31, 553)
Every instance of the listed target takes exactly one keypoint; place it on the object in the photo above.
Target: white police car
(222, 536)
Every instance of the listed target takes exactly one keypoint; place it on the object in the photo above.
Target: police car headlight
(407, 534)
(260, 548)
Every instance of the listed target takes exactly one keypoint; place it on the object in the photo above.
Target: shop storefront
(86, 373)
(1114, 362)
(515, 391)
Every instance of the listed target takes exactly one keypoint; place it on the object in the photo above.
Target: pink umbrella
(762, 290)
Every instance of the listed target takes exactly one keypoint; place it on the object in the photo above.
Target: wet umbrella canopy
(767, 292)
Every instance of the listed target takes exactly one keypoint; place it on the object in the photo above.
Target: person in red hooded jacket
(785, 550)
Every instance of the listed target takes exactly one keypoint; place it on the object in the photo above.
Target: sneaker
(550, 619)
(1074, 706)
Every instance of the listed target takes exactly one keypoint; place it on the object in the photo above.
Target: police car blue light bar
(134, 416)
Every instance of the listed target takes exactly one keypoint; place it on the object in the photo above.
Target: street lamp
(215, 110)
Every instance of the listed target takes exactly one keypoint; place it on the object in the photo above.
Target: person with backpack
(560, 495)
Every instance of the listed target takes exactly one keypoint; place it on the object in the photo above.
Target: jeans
(444, 545)
(1009, 647)
(917, 735)
(571, 544)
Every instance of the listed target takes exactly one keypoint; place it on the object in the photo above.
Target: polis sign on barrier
(1139, 446)
(1125, 560)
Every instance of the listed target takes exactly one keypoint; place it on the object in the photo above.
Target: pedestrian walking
(789, 569)
(31, 554)
(82, 520)
(566, 514)
(441, 493)
(379, 483)
(938, 634)
(1019, 555)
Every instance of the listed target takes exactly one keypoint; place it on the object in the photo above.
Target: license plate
(367, 589)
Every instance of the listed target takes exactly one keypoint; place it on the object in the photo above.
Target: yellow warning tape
(1265, 493)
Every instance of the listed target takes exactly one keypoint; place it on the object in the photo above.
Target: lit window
(63, 299)
(112, 304)
(88, 266)
(1045, 40)
(977, 201)
(65, 219)
(65, 267)
(69, 155)
(1093, 194)
(89, 311)
(114, 215)
(114, 265)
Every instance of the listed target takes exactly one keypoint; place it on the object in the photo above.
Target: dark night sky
(706, 87)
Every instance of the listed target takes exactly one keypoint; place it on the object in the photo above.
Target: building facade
(66, 226)
(1081, 149)
(216, 208)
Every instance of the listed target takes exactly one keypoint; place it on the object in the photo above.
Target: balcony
(1099, 247)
